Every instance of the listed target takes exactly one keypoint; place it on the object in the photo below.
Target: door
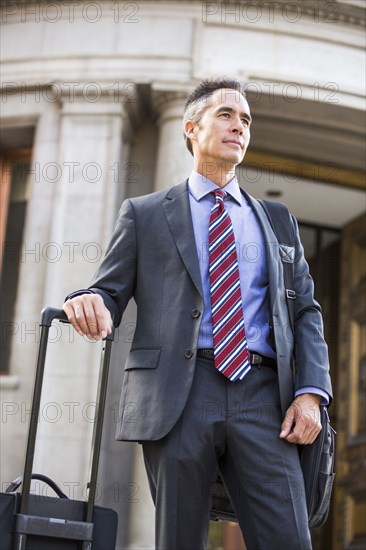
(350, 493)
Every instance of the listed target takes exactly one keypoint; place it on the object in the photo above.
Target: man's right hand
(89, 316)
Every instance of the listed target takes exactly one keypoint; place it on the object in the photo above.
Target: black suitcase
(34, 522)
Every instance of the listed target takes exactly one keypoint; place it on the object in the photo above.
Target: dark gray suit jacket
(152, 257)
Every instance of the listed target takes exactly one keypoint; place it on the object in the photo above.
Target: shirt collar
(199, 186)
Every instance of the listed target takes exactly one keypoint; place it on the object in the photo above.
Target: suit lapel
(178, 215)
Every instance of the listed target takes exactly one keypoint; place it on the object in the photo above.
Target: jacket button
(195, 313)
(188, 354)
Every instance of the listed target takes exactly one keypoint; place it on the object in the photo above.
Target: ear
(190, 130)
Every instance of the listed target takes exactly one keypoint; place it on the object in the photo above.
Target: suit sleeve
(115, 279)
(311, 350)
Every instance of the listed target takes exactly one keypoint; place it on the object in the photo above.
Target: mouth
(235, 142)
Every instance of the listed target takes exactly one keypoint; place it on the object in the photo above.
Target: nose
(238, 126)
(238, 129)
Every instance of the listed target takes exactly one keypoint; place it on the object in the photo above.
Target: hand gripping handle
(50, 314)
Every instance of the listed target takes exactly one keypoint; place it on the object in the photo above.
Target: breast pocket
(143, 359)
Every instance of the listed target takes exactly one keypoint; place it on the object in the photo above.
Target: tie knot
(219, 195)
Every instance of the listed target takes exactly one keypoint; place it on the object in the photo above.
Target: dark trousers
(232, 427)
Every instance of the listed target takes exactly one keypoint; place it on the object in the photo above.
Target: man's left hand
(302, 420)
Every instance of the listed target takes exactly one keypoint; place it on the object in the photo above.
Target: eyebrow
(231, 110)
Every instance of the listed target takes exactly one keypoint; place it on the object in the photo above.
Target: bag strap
(14, 486)
(281, 223)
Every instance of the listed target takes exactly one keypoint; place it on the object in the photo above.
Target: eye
(225, 114)
(245, 121)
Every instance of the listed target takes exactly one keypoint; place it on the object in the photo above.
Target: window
(14, 194)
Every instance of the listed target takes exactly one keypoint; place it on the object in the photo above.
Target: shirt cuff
(311, 389)
(78, 293)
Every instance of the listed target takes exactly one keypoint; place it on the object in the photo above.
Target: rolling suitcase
(34, 522)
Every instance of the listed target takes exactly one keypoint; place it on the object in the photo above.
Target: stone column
(174, 162)
(84, 190)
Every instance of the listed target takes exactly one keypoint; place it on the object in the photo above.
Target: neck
(219, 173)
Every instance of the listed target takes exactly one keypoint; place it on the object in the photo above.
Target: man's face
(223, 133)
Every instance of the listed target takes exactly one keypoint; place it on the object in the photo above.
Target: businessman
(209, 384)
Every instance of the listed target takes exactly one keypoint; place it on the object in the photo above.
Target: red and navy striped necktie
(230, 344)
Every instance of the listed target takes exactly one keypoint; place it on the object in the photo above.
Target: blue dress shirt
(253, 270)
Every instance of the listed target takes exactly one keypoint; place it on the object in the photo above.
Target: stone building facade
(91, 109)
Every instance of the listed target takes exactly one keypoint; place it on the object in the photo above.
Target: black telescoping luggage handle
(50, 314)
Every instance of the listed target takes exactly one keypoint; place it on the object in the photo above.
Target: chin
(235, 159)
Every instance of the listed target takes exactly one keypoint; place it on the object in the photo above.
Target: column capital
(84, 97)
(168, 102)
(174, 162)
(117, 99)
